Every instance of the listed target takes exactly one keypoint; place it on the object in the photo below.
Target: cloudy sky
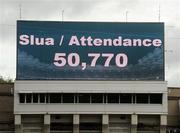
(91, 10)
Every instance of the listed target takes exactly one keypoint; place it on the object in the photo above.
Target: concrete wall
(173, 118)
(6, 107)
(103, 109)
(90, 87)
(110, 123)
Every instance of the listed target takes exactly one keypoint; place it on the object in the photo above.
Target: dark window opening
(91, 126)
(156, 98)
(55, 98)
(68, 98)
(125, 98)
(22, 98)
(134, 98)
(75, 98)
(123, 117)
(47, 98)
(97, 98)
(42, 98)
(105, 98)
(147, 127)
(61, 126)
(113, 98)
(141, 98)
(84, 98)
(35, 98)
(28, 98)
(153, 98)
(57, 117)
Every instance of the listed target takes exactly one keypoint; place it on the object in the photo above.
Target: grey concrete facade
(76, 123)
(104, 110)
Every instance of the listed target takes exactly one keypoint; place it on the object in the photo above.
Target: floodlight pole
(159, 13)
(126, 16)
(20, 12)
(62, 15)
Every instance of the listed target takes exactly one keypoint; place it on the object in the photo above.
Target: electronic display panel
(48, 50)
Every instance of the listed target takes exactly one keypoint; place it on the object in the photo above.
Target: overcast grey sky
(91, 10)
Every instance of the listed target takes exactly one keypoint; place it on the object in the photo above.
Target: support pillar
(134, 122)
(105, 123)
(17, 122)
(47, 120)
(76, 123)
(163, 123)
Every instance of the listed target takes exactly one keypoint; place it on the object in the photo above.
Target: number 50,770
(73, 59)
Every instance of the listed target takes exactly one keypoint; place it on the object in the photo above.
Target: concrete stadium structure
(7, 119)
(90, 77)
(122, 106)
(6, 108)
